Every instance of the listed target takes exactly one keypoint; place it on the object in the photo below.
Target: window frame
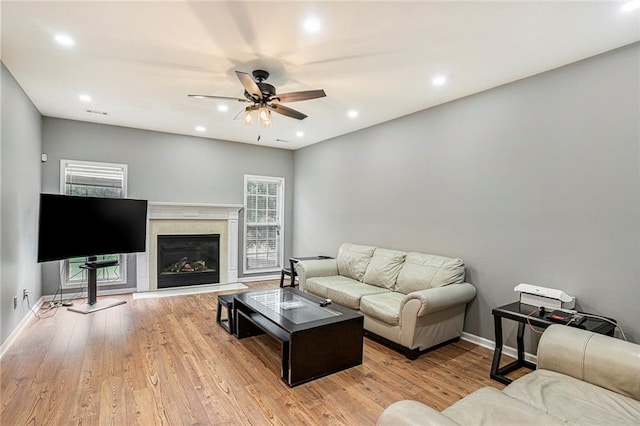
(64, 264)
(280, 224)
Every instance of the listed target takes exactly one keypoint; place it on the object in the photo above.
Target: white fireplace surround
(172, 212)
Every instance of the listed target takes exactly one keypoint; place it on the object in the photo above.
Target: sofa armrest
(441, 298)
(409, 413)
(315, 268)
(594, 358)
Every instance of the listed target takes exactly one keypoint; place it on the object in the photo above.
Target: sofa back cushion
(593, 358)
(353, 260)
(384, 268)
(422, 271)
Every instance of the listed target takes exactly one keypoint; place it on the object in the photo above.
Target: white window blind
(263, 223)
(95, 179)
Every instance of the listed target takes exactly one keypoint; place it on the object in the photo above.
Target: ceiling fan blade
(300, 96)
(217, 97)
(249, 84)
(241, 113)
(281, 109)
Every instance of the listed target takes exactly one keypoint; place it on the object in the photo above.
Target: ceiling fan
(265, 99)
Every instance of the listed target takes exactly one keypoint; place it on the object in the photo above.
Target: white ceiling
(139, 60)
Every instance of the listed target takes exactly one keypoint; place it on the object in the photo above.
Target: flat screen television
(71, 226)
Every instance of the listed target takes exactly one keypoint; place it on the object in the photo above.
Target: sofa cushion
(488, 406)
(353, 260)
(384, 268)
(382, 306)
(422, 271)
(321, 285)
(349, 295)
(573, 400)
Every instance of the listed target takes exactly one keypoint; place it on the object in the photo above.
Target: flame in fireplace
(185, 265)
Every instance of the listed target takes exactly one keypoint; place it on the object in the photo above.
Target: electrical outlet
(24, 293)
(15, 302)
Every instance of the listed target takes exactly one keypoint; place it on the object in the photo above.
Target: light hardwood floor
(166, 361)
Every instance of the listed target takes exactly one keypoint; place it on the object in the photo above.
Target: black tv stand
(92, 265)
(96, 264)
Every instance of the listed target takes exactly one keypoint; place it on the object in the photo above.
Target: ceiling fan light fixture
(265, 117)
(248, 119)
(264, 99)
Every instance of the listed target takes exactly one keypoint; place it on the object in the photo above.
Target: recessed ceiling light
(353, 113)
(631, 5)
(439, 80)
(64, 40)
(201, 128)
(223, 108)
(312, 25)
(299, 134)
(84, 98)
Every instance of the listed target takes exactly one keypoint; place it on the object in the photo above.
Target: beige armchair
(582, 378)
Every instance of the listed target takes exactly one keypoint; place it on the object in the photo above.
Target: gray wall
(536, 181)
(20, 149)
(164, 167)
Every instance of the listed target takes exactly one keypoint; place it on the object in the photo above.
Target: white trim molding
(490, 344)
(280, 225)
(21, 326)
(251, 278)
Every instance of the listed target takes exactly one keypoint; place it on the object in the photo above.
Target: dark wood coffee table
(316, 341)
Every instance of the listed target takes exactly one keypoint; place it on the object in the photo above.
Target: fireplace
(188, 260)
(166, 218)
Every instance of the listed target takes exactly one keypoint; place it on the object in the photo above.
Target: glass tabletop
(292, 306)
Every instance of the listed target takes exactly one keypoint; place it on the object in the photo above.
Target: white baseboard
(21, 325)
(490, 344)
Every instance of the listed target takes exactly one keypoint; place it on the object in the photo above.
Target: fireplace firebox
(188, 260)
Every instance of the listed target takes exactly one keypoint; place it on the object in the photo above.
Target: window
(90, 179)
(264, 202)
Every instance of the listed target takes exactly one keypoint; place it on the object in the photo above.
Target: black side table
(519, 312)
(292, 271)
(226, 301)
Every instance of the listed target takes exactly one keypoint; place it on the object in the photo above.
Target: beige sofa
(582, 378)
(411, 301)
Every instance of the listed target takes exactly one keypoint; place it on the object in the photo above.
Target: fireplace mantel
(192, 211)
(170, 212)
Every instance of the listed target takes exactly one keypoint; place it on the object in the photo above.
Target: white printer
(550, 298)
